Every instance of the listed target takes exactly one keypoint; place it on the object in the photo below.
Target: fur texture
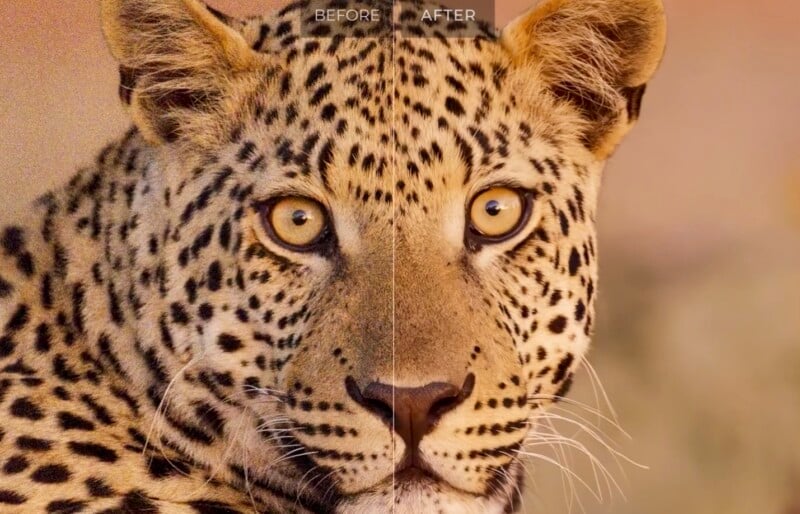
(162, 351)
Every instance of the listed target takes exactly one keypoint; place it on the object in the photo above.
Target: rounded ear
(597, 55)
(179, 61)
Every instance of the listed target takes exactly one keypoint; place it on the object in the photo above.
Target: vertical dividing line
(393, 143)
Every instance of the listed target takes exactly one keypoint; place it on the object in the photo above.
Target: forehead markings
(480, 148)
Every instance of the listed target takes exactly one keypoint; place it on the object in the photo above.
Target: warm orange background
(699, 335)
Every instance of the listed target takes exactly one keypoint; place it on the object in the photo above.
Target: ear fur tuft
(596, 55)
(178, 62)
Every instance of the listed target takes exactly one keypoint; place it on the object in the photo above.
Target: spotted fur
(160, 353)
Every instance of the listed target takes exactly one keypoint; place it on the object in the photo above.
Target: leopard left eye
(498, 214)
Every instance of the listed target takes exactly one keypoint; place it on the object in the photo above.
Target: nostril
(382, 409)
(446, 404)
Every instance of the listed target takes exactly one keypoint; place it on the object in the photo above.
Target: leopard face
(364, 264)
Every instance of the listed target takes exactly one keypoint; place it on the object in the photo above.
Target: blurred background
(698, 341)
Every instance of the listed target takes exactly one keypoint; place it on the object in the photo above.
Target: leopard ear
(181, 66)
(596, 55)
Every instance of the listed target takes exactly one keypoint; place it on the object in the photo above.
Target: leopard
(334, 266)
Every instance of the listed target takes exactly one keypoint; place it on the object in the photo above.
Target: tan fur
(567, 42)
(178, 45)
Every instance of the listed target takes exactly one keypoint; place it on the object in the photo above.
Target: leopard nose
(411, 411)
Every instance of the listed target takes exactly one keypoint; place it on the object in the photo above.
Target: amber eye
(497, 213)
(296, 222)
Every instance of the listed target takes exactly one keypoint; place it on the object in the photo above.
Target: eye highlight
(498, 213)
(295, 222)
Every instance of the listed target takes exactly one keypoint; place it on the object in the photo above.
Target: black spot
(5, 288)
(69, 421)
(316, 73)
(206, 311)
(211, 416)
(15, 464)
(262, 36)
(25, 264)
(214, 276)
(33, 444)
(25, 408)
(19, 319)
(42, 338)
(580, 310)
(328, 112)
(101, 414)
(6, 346)
(564, 388)
(46, 291)
(563, 368)
(179, 314)
(212, 507)
(558, 324)
(78, 301)
(65, 506)
(467, 156)
(202, 240)
(97, 451)
(229, 343)
(541, 354)
(51, 474)
(98, 488)
(246, 151)
(61, 393)
(455, 84)
(320, 94)
(13, 240)
(159, 467)
(324, 160)
(574, 262)
(11, 498)
(564, 222)
(154, 365)
(136, 501)
(63, 370)
(117, 316)
(454, 106)
(225, 234)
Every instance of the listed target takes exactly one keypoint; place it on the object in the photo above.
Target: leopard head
(378, 248)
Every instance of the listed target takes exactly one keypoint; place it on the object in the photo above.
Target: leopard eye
(295, 222)
(498, 213)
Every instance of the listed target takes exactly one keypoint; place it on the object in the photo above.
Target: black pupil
(493, 207)
(299, 217)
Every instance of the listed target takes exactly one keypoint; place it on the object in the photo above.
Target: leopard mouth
(415, 474)
(417, 477)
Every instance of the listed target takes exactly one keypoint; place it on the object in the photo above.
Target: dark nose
(411, 411)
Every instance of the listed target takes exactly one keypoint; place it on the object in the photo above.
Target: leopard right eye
(498, 214)
(297, 223)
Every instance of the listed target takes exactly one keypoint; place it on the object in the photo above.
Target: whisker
(589, 409)
(595, 380)
(594, 461)
(595, 435)
(161, 406)
(247, 485)
(563, 468)
(293, 454)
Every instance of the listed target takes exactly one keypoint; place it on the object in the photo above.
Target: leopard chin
(413, 491)
(421, 496)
